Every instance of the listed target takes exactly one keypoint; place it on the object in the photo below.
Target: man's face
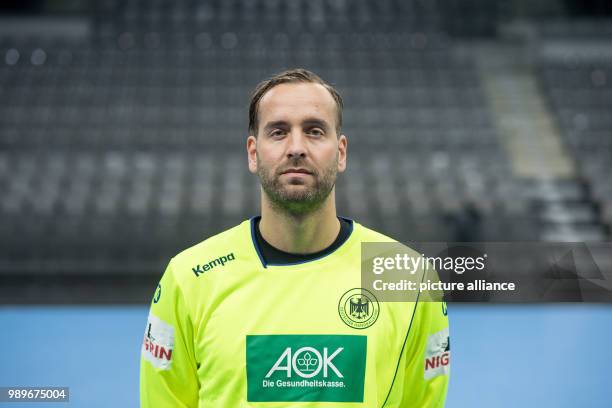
(297, 153)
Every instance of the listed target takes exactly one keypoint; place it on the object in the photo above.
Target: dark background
(123, 126)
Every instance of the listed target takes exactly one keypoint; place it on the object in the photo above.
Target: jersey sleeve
(168, 367)
(427, 362)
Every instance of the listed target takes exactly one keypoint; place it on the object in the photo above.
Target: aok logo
(306, 362)
(306, 367)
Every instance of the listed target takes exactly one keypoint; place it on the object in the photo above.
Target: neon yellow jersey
(226, 330)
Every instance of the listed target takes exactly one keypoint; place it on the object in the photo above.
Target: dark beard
(302, 202)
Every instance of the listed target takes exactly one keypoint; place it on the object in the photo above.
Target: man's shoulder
(216, 249)
(370, 235)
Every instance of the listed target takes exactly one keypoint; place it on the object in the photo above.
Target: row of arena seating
(174, 183)
(458, 17)
(383, 15)
(434, 102)
(170, 184)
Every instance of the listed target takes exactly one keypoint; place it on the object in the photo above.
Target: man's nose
(297, 144)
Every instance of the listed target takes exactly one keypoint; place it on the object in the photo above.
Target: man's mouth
(296, 170)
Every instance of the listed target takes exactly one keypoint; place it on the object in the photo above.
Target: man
(270, 312)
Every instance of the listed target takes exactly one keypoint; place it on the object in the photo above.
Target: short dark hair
(290, 76)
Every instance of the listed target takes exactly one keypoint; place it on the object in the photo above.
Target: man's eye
(315, 132)
(277, 132)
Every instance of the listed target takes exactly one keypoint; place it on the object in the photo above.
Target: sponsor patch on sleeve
(437, 354)
(158, 343)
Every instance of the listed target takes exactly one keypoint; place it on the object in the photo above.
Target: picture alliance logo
(306, 363)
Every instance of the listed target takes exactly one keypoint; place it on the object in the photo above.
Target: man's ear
(342, 151)
(251, 146)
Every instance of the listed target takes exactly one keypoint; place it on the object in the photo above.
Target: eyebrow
(306, 122)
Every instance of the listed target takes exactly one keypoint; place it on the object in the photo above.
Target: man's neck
(300, 234)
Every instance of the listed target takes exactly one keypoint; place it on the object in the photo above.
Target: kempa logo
(306, 362)
(197, 270)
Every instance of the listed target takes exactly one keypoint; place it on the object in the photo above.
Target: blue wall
(502, 356)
